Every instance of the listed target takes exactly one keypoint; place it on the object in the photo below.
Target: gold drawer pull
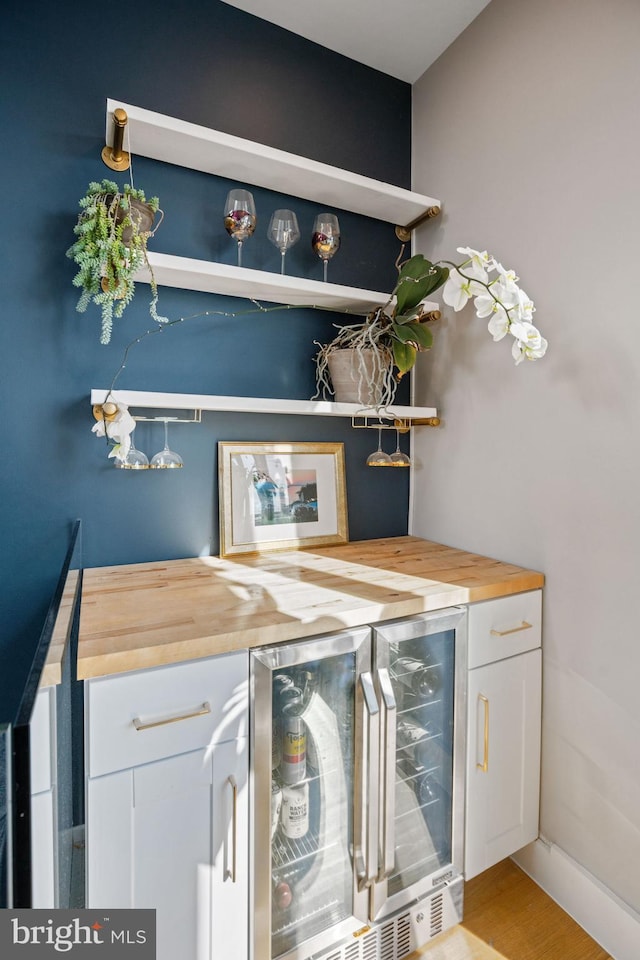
(232, 873)
(504, 633)
(484, 766)
(201, 711)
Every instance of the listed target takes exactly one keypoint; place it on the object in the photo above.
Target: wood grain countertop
(52, 671)
(143, 615)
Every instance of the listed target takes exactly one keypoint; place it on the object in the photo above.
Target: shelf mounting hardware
(115, 157)
(402, 424)
(404, 233)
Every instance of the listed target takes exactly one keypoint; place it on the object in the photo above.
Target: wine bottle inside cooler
(422, 679)
(418, 743)
(281, 892)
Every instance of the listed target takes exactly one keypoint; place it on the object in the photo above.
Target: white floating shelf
(201, 401)
(210, 277)
(189, 145)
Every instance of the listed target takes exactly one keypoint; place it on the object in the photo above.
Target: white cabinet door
(503, 759)
(162, 835)
(44, 809)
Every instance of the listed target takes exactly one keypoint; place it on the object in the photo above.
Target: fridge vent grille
(387, 942)
(392, 941)
(437, 910)
(403, 939)
(352, 952)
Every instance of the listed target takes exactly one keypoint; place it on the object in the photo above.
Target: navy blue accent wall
(210, 64)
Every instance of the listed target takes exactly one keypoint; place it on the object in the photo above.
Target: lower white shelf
(226, 280)
(202, 401)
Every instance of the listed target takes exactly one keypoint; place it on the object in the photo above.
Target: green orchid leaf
(408, 316)
(418, 278)
(414, 333)
(404, 356)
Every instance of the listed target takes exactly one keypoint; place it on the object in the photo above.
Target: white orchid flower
(507, 278)
(525, 306)
(480, 263)
(499, 323)
(500, 299)
(119, 429)
(505, 289)
(529, 343)
(458, 290)
(487, 303)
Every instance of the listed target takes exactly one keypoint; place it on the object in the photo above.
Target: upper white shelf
(210, 277)
(189, 145)
(200, 401)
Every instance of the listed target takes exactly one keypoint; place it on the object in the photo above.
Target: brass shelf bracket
(404, 233)
(115, 157)
(105, 411)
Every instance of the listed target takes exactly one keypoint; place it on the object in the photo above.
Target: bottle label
(295, 811)
(294, 750)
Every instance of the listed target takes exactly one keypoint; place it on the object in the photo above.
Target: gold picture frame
(276, 496)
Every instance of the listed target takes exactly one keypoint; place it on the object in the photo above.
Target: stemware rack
(406, 416)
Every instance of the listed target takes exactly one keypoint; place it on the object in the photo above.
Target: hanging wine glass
(379, 458)
(166, 458)
(240, 217)
(325, 239)
(399, 459)
(134, 460)
(283, 232)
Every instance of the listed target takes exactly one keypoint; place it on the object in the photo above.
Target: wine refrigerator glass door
(420, 669)
(308, 784)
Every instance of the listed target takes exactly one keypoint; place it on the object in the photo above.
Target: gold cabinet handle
(200, 711)
(484, 766)
(232, 873)
(505, 633)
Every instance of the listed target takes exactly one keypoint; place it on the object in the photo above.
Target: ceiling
(399, 37)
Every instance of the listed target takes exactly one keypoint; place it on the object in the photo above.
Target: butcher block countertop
(147, 614)
(52, 671)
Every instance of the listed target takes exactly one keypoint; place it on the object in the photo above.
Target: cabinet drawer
(504, 627)
(139, 717)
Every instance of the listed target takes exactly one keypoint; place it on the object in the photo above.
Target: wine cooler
(357, 790)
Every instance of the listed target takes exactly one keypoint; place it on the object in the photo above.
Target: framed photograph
(281, 495)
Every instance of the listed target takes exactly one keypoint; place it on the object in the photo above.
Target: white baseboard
(611, 923)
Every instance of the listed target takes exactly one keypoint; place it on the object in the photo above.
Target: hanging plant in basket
(112, 232)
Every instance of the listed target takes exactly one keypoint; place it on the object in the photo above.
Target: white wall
(527, 129)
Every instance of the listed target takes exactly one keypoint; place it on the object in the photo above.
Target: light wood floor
(507, 910)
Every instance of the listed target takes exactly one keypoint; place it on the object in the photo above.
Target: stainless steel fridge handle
(367, 859)
(388, 775)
